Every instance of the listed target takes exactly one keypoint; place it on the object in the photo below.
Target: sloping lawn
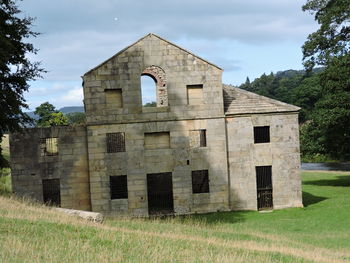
(319, 232)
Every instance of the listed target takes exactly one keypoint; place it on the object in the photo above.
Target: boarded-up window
(198, 138)
(119, 187)
(114, 98)
(51, 146)
(262, 134)
(200, 181)
(51, 191)
(157, 140)
(115, 142)
(194, 94)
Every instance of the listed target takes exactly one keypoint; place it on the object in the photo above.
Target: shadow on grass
(215, 217)
(342, 180)
(309, 199)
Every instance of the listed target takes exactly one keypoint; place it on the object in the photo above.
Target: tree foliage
(290, 86)
(329, 46)
(49, 116)
(76, 118)
(16, 70)
(332, 38)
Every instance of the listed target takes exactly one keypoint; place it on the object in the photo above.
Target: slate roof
(238, 101)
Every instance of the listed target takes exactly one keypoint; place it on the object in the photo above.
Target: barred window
(49, 146)
(262, 134)
(118, 187)
(200, 181)
(115, 142)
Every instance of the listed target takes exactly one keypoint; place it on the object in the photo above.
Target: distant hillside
(64, 110)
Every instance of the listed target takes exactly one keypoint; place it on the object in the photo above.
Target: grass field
(319, 232)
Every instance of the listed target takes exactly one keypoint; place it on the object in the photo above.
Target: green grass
(319, 232)
(5, 181)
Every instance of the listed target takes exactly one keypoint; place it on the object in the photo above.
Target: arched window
(148, 91)
(159, 94)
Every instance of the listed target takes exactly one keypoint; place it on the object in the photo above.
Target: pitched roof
(238, 101)
(150, 35)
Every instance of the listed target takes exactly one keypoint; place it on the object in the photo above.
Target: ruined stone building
(205, 147)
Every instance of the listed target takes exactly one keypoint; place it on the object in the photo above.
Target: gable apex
(141, 39)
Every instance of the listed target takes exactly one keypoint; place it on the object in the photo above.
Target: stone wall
(282, 153)
(30, 164)
(123, 71)
(180, 159)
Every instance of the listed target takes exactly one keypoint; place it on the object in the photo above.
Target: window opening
(118, 187)
(200, 181)
(115, 142)
(148, 91)
(262, 134)
(198, 138)
(195, 94)
(49, 146)
(157, 140)
(114, 98)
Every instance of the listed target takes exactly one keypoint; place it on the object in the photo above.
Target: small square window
(198, 138)
(50, 146)
(157, 140)
(262, 134)
(200, 181)
(114, 98)
(119, 187)
(195, 94)
(115, 142)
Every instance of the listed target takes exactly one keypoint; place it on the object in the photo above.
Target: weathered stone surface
(90, 216)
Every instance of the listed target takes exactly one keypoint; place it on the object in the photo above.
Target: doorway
(264, 187)
(160, 194)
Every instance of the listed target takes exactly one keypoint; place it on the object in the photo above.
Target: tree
(75, 118)
(49, 116)
(332, 38)
(329, 46)
(150, 104)
(57, 119)
(16, 70)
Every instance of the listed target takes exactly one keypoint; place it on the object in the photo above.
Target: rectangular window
(51, 192)
(200, 181)
(262, 134)
(157, 140)
(198, 138)
(114, 98)
(118, 187)
(115, 142)
(264, 187)
(202, 138)
(195, 94)
(51, 146)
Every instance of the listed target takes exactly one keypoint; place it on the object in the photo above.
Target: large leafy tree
(49, 116)
(16, 70)
(329, 46)
(332, 38)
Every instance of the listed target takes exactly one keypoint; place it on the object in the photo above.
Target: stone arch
(159, 77)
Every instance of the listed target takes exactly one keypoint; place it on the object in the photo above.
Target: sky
(244, 37)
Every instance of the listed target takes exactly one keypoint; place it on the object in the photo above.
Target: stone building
(205, 147)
